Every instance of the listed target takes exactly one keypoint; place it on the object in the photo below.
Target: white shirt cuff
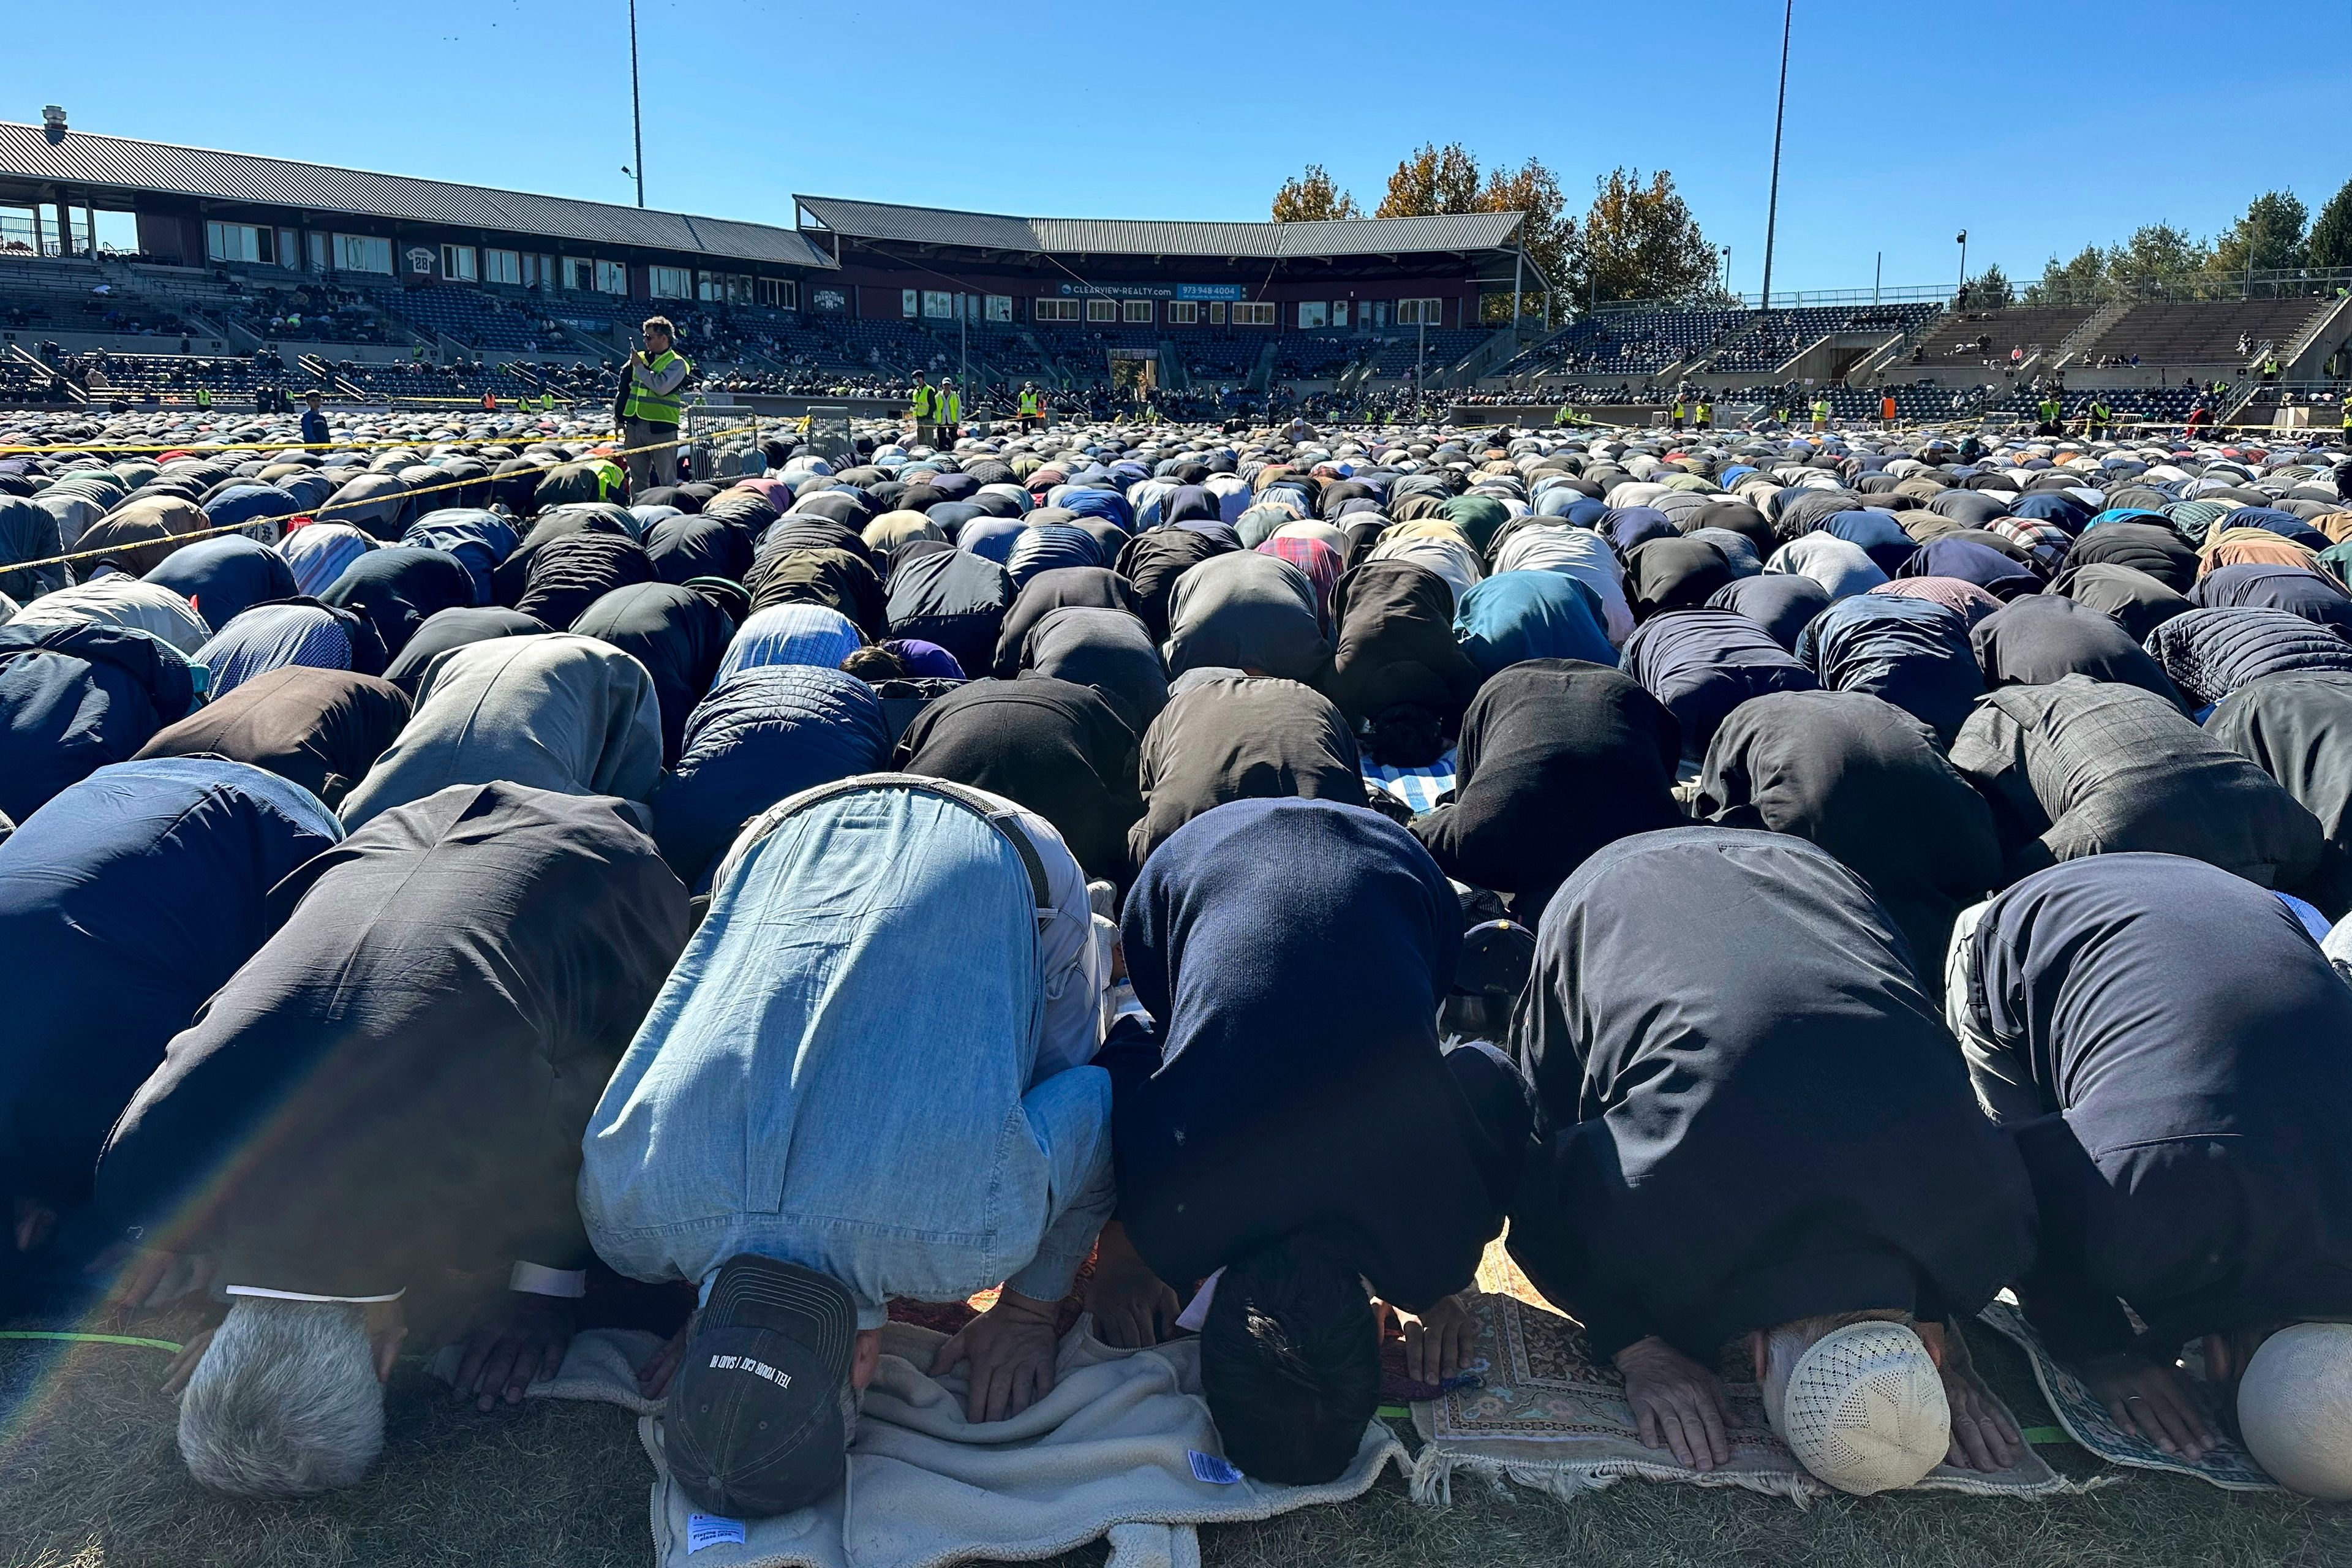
(538, 1280)
(303, 1296)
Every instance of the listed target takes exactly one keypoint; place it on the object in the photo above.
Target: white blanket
(1116, 1449)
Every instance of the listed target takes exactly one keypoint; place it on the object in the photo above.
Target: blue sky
(2034, 126)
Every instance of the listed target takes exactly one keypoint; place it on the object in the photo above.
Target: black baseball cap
(1495, 960)
(759, 1416)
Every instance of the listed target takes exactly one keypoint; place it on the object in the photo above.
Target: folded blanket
(2086, 1421)
(1122, 1447)
(1546, 1415)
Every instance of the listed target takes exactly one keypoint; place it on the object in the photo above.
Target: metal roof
(117, 162)
(1152, 236)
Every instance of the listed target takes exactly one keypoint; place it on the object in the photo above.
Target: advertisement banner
(1154, 290)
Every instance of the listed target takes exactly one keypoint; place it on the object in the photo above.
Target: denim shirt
(855, 1066)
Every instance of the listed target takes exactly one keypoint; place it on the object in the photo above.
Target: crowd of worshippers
(1803, 887)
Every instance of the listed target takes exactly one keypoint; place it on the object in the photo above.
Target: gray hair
(285, 1401)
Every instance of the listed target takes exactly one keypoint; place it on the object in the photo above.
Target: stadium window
(611, 277)
(1135, 311)
(780, 293)
(1054, 311)
(289, 249)
(910, 302)
(1000, 307)
(1102, 309)
(502, 266)
(457, 263)
(1420, 312)
(1183, 312)
(1216, 312)
(318, 249)
(939, 305)
(539, 270)
(669, 283)
(362, 253)
(1338, 312)
(578, 273)
(242, 242)
(1256, 313)
(1313, 313)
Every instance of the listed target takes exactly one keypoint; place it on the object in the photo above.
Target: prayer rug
(1546, 1416)
(2086, 1420)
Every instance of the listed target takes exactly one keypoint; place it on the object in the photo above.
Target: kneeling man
(1755, 1129)
(2167, 1046)
(867, 1077)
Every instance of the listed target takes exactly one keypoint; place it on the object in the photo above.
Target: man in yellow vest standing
(951, 410)
(1820, 414)
(649, 407)
(1029, 406)
(924, 404)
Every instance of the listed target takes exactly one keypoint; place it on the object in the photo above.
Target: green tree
(1312, 198)
(1991, 290)
(2330, 242)
(1640, 242)
(2156, 257)
(2070, 282)
(2268, 238)
(1433, 179)
(1548, 234)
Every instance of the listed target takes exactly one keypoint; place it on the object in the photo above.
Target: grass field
(89, 1478)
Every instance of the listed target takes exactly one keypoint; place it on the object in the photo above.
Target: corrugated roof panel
(1153, 236)
(81, 159)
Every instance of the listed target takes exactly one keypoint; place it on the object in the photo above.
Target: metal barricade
(698, 459)
(828, 433)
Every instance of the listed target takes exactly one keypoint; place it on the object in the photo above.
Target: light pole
(1772, 206)
(636, 113)
(1962, 241)
(1727, 270)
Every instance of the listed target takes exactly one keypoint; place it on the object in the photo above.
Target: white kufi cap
(1864, 1409)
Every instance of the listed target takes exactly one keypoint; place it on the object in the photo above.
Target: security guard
(2348, 422)
(1705, 414)
(1567, 415)
(1676, 418)
(2050, 409)
(204, 398)
(1820, 414)
(2098, 419)
(924, 404)
(1028, 407)
(950, 409)
(649, 407)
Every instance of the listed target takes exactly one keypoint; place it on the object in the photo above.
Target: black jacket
(396, 1084)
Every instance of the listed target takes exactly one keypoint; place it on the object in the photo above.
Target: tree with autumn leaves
(1637, 241)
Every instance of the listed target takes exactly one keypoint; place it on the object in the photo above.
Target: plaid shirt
(2045, 542)
(1418, 788)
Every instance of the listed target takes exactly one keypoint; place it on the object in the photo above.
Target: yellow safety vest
(924, 401)
(1705, 413)
(655, 407)
(204, 398)
(1028, 404)
(1822, 408)
(951, 406)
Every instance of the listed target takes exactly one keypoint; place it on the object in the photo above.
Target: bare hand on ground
(1132, 1307)
(1437, 1341)
(1677, 1404)
(653, 1378)
(1983, 1436)
(184, 1364)
(1010, 1349)
(2152, 1402)
(522, 1345)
